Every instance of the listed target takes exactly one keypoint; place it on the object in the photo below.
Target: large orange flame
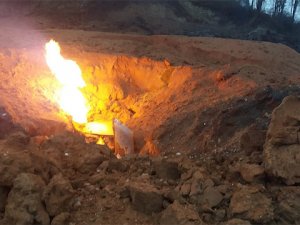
(70, 98)
(68, 73)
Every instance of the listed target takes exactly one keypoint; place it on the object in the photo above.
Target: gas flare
(70, 98)
(69, 74)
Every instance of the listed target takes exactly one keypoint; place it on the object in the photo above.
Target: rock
(199, 175)
(58, 195)
(61, 219)
(250, 172)
(206, 217)
(211, 197)
(166, 204)
(282, 147)
(250, 204)
(208, 183)
(145, 198)
(199, 183)
(77, 154)
(253, 139)
(237, 222)
(102, 180)
(196, 187)
(220, 214)
(106, 151)
(94, 179)
(124, 193)
(185, 189)
(180, 215)
(3, 197)
(24, 203)
(283, 128)
(187, 175)
(174, 195)
(288, 205)
(18, 139)
(90, 160)
(14, 161)
(225, 190)
(117, 165)
(166, 169)
(104, 165)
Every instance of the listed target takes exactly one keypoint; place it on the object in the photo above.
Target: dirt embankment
(147, 17)
(178, 17)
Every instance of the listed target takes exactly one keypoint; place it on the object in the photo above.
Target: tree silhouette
(259, 4)
(295, 4)
(279, 7)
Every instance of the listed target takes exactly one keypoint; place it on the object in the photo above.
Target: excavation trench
(118, 87)
(165, 104)
(173, 98)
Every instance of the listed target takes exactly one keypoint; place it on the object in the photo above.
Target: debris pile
(63, 180)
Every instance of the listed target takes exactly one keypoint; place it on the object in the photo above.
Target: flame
(68, 73)
(70, 98)
(100, 128)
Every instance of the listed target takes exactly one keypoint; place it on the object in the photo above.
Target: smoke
(17, 7)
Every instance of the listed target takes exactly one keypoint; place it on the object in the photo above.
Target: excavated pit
(135, 90)
(114, 85)
(118, 86)
(173, 92)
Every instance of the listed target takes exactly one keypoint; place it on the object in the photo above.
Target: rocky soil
(216, 126)
(62, 180)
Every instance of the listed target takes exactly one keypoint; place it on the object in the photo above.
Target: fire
(68, 73)
(72, 101)
(70, 98)
(100, 128)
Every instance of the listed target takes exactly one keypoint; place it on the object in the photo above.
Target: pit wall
(114, 84)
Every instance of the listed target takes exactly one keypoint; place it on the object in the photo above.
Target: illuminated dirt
(160, 86)
(204, 104)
